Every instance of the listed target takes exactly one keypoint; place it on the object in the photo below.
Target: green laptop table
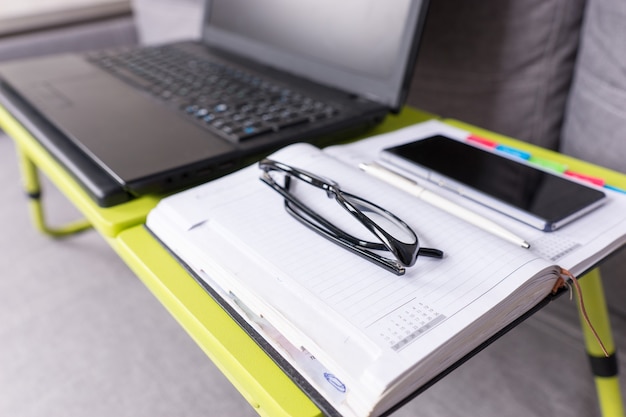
(255, 374)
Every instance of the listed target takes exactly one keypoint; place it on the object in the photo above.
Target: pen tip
(526, 245)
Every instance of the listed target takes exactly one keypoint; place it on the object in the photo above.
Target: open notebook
(364, 338)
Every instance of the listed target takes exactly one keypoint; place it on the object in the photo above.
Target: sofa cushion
(504, 65)
(595, 124)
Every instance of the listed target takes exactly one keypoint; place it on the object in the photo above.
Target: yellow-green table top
(264, 385)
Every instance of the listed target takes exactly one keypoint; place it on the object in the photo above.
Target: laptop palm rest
(117, 129)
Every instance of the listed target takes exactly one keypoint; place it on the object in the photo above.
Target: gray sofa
(82, 336)
(548, 72)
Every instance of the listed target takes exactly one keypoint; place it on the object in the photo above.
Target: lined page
(251, 215)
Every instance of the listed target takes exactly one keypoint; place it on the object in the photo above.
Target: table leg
(32, 186)
(604, 368)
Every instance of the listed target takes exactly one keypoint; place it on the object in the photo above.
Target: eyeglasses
(393, 234)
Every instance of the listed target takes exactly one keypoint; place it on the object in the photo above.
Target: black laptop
(132, 121)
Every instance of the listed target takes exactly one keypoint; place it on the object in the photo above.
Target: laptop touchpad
(46, 96)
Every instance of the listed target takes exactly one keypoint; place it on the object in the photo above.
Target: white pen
(413, 188)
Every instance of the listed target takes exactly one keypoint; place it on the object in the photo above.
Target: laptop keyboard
(227, 101)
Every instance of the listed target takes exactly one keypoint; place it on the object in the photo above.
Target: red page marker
(482, 141)
(589, 178)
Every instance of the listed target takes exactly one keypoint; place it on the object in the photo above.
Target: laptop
(127, 122)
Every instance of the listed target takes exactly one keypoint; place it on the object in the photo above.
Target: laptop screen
(359, 46)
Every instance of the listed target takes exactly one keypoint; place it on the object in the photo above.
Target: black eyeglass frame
(406, 253)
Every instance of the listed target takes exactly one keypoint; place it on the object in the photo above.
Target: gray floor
(81, 336)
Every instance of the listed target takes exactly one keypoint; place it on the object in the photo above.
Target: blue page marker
(612, 188)
(513, 151)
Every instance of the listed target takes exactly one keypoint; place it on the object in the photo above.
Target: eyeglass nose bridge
(332, 189)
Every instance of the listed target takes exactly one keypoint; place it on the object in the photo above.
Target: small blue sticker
(610, 187)
(513, 151)
(335, 382)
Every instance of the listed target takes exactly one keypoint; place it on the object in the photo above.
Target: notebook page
(342, 286)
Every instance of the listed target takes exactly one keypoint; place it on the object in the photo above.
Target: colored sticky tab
(584, 177)
(513, 151)
(613, 188)
(546, 163)
(482, 141)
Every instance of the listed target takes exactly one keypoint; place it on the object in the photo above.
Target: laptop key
(132, 78)
(292, 121)
(251, 132)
